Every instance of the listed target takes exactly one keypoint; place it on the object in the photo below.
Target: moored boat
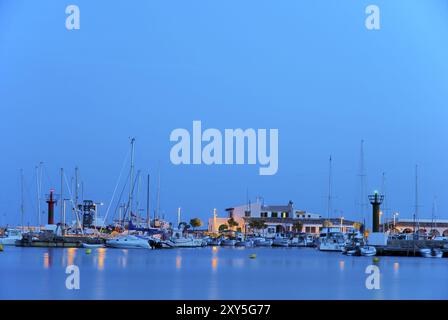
(11, 236)
(431, 253)
(129, 242)
(228, 242)
(280, 241)
(367, 251)
(262, 242)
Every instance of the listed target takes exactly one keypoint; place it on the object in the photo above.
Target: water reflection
(101, 257)
(71, 255)
(123, 260)
(342, 265)
(178, 262)
(47, 260)
(214, 259)
(396, 268)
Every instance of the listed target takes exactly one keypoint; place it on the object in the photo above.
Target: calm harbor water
(215, 273)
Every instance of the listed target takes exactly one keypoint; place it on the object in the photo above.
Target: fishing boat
(368, 251)
(10, 237)
(214, 241)
(186, 242)
(129, 242)
(302, 240)
(332, 241)
(280, 241)
(228, 242)
(179, 240)
(431, 253)
(262, 242)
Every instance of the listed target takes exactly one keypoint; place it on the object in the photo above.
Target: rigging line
(128, 203)
(72, 203)
(115, 190)
(121, 195)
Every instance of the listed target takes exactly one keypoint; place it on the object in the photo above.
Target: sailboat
(129, 241)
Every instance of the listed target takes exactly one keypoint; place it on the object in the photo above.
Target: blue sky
(143, 68)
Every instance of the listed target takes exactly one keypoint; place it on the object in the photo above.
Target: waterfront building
(276, 218)
(422, 226)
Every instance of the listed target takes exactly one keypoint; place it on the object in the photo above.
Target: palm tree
(223, 228)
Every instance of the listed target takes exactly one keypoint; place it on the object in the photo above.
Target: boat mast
(137, 204)
(131, 179)
(62, 196)
(76, 191)
(433, 218)
(148, 213)
(158, 196)
(330, 178)
(22, 206)
(362, 176)
(416, 223)
(385, 204)
(39, 187)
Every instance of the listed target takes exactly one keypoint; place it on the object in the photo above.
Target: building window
(285, 214)
(247, 213)
(264, 214)
(274, 214)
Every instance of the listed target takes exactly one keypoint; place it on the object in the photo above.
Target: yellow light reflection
(101, 257)
(215, 263)
(342, 265)
(396, 267)
(46, 260)
(178, 262)
(71, 255)
(214, 249)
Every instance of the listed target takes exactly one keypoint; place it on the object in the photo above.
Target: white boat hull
(128, 242)
(263, 243)
(368, 251)
(187, 243)
(429, 253)
(228, 243)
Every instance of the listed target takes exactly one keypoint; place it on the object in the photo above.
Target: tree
(196, 223)
(257, 224)
(357, 226)
(232, 223)
(298, 226)
(223, 228)
(327, 224)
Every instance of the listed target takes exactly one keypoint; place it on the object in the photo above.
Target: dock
(410, 247)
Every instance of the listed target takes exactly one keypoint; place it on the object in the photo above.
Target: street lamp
(396, 214)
